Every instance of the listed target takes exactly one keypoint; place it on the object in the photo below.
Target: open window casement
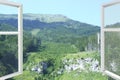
(110, 39)
(11, 43)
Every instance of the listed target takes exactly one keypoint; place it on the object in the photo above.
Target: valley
(60, 49)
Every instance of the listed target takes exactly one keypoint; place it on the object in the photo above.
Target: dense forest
(8, 58)
(112, 49)
(60, 49)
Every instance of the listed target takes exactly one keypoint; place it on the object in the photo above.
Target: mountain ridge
(41, 17)
(45, 18)
(48, 18)
(58, 27)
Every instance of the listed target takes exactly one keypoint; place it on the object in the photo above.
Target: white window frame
(103, 30)
(19, 33)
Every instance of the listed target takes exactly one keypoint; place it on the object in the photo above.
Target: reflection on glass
(8, 18)
(112, 52)
(112, 16)
(8, 54)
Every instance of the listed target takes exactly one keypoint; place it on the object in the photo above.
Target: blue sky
(88, 11)
(112, 14)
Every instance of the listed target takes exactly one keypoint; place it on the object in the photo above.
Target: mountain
(47, 18)
(59, 29)
(115, 25)
(51, 27)
(41, 21)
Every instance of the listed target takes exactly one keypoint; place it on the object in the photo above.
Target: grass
(74, 75)
(59, 52)
(82, 55)
(27, 75)
(82, 76)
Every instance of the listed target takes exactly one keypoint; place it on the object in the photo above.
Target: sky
(87, 11)
(112, 14)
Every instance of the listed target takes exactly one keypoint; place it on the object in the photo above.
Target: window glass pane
(112, 52)
(8, 54)
(8, 18)
(112, 16)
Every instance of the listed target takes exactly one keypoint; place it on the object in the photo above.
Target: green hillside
(8, 54)
(57, 48)
(6, 27)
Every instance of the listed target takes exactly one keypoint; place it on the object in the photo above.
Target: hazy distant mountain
(57, 23)
(48, 18)
(115, 25)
